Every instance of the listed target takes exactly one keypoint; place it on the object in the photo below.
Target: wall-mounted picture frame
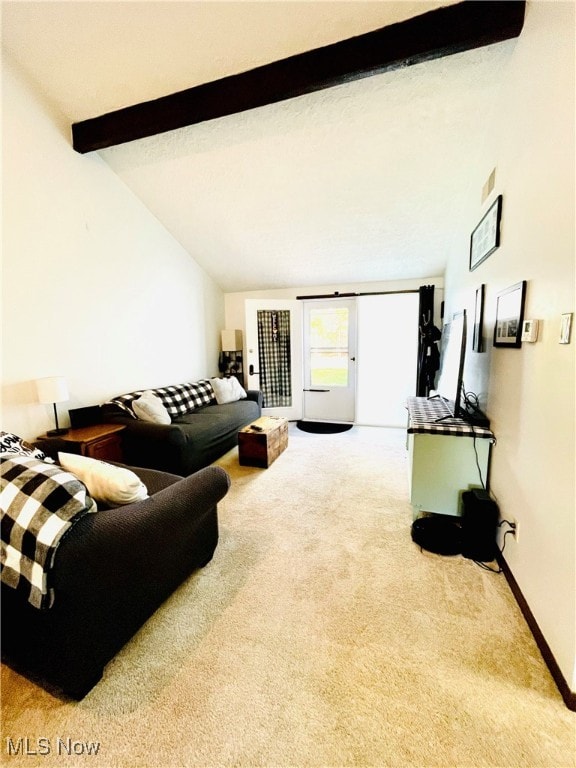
(509, 316)
(486, 237)
(478, 330)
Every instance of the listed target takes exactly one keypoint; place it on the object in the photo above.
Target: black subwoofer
(479, 523)
(85, 417)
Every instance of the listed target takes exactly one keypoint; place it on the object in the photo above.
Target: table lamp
(231, 355)
(53, 389)
(231, 340)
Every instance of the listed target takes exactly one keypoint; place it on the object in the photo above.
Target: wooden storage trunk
(260, 449)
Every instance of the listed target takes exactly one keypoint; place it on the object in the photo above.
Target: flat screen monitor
(453, 350)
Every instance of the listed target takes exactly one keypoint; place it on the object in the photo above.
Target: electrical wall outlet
(515, 529)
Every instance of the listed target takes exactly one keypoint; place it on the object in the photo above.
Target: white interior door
(330, 360)
(282, 393)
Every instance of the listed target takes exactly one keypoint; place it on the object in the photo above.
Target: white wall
(93, 287)
(387, 355)
(530, 391)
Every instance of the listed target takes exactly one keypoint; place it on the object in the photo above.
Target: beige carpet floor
(319, 635)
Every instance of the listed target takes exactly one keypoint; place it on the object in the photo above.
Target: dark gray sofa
(193, 440)
(111, 572)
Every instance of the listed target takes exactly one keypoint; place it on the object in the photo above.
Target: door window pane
(329, 347)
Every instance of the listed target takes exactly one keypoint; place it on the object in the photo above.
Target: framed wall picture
(486, 237)
(477, 344)
(509, 316)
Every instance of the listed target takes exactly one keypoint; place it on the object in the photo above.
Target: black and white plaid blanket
(432, 416)
(39, 502)
(178, 399)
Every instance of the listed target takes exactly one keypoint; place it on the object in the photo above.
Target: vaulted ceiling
(359, 182)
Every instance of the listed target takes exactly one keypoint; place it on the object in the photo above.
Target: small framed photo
(486, 237)
(565, 327)
(477, 344)
(509, 316)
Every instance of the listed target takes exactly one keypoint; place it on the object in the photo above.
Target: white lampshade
(231, 341)
(52, 389)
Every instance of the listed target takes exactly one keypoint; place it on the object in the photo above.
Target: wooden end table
(100, 441)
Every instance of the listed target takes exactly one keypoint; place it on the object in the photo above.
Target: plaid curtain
(274, 357)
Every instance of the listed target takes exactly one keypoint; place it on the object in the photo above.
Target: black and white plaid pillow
(178, 399)
(202, 393)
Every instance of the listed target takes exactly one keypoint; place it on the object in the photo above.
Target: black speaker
(85, 417)
(479, 523)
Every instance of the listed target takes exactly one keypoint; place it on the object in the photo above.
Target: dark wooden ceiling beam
(442, 32)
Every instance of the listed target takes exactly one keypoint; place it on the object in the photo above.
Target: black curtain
(429, 336)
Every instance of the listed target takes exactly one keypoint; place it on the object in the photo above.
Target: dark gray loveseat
(201, 430)
(112, 570)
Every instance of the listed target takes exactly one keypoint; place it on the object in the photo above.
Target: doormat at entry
(322, 427)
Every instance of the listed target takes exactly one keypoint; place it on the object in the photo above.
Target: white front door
(274, 354)
(330, 360)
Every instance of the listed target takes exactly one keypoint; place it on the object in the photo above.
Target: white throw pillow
(105, 482)
(149, 407)
(227, 390)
